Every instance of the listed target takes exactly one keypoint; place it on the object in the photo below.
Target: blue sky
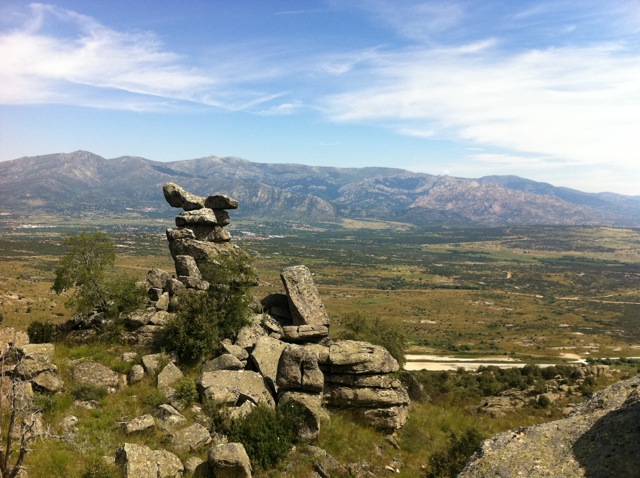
(547, 90)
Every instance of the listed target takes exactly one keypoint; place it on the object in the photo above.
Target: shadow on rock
(611, 447)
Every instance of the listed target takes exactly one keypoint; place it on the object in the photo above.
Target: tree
(378, 331)
(84, 267)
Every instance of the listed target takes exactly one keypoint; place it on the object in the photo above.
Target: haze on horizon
(546, 90)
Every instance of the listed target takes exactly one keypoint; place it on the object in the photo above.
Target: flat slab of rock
(367, 397)
(190, 438)
(178, 197)
(304, 333)
(353, 356)
(138, 461)
(243, 384)
(229, 461)
(96, 374)
(389, 419)
(138, 424)
(223, 362)
(304, 300)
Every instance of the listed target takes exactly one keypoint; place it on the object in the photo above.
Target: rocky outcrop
(358, 378)
(599, 440)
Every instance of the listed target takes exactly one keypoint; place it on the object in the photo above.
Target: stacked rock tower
(200, 234)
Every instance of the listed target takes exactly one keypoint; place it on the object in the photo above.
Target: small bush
(154, 398)
(87, 391)
(267, 435)
(451, 461)
(41, 332)
(99, 468)
(186, 390)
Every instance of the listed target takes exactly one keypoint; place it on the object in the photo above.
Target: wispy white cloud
(578, 104)
(40, 66)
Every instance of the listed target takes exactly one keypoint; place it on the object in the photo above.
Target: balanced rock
(304, 300)
(220, 201)
(178, 197)
(230, 461)
(368, 397)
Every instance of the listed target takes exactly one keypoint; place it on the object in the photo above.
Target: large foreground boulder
(230, 461)
(600, 440)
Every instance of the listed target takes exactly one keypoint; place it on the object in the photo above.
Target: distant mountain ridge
(64, 182)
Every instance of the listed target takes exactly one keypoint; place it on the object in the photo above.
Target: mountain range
(67, 183)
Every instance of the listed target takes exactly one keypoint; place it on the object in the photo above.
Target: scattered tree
(84, 267)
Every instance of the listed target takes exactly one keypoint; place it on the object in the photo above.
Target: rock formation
(598, 440)
(284, 354)
(200, 235)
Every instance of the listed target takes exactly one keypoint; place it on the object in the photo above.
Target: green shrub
(204, 318)
(356, 326)
(267, 435)
(451, 461)
(87, 391)
(41, 332)
(99, 468)
(125, 295)
(186, 390)
(154, 398)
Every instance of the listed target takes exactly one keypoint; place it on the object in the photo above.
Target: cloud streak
(578, 104)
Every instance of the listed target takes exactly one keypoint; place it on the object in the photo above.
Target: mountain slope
(82, 180)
